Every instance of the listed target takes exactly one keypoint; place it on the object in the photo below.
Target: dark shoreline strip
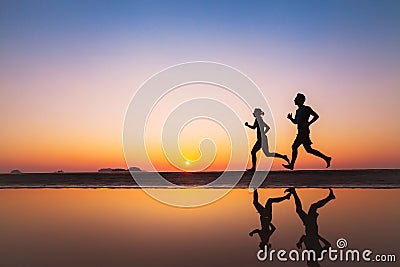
(375, 178)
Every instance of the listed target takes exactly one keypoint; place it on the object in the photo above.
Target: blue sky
(62, 62)
(55, 22)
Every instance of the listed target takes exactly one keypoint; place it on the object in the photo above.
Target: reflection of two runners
(301, 118)
(312, 240)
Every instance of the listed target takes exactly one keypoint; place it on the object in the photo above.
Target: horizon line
(213, 171)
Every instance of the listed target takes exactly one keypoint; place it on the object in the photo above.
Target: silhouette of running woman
(303, 114)
(267, 228)
(262, 139)
(311, 239)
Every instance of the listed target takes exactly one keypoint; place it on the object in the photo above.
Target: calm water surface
(125, 227)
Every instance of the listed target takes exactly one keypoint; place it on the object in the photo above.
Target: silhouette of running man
(301, 118)
(262, 139)
(267, 228)
(311, 239)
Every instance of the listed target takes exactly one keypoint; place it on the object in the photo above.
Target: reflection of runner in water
(267, 228)
(303, 239)
(264, 233)
(311, 239)
(302, 117)
(317, 248)
(262, 140)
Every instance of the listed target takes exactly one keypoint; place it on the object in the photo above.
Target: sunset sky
(68, 71)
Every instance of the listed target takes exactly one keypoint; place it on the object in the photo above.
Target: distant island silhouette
(107, 170)
(111, 170)
(135, 169)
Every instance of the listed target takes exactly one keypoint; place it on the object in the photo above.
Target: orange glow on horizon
(75, 138)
